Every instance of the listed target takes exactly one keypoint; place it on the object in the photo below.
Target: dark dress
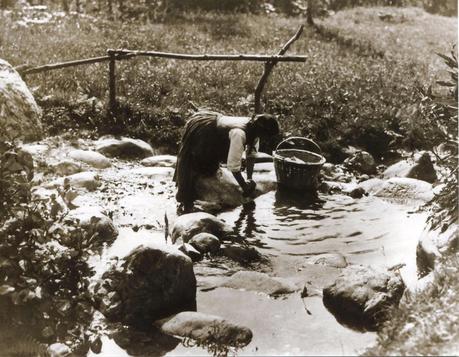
(203, 147)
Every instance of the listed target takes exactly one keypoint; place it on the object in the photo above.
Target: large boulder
(124, 148)
(362, 162)
(91, 158)
(421, 168)
(160, 161)
(206, 329)
(361, 296)
(223, 188)
(404, 189)
(188, 225)
(260, 282)
(150, 283)
(19, 113)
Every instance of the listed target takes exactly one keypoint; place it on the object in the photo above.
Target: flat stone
(406, 189)
(65, 167)
(188, 225)
(91, 158)
(335, 260)
(260, 282)
(59, 350)
(240, 253)
(160, 161)
(88, 180)
(224, 190)
(206, 329)
(124, 148)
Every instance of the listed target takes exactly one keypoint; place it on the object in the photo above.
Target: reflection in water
(247, 220)
(300, 200)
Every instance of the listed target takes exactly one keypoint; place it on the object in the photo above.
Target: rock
(191, 252)
(335, 260)
(223, 188)
(160, 161)
(358, 192)
(188, 225)
(405, 189)
(152, 172)
(423, 169)
(94, 221)
(65, 168)
(399, 169)
(88, 180)
(264, 167)
(361, 161)
(150, 283)
(205, 243)
(206, 329)
(124, 148)
(241, 253)
(433, 243)
(58, 350)
(19, 114)
(91, 158)
(361, 296)
(420, 169)
(261, 282)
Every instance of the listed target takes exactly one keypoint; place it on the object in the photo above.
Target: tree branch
(268, 68)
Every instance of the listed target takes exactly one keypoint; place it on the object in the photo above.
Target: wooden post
(269, 65)
(111, 84)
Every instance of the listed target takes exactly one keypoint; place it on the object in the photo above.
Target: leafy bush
(43, 271)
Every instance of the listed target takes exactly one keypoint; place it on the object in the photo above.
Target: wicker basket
(297, 162)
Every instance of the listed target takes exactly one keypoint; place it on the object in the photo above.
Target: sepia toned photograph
(229, 178)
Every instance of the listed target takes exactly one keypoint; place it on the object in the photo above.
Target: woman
(210, 138)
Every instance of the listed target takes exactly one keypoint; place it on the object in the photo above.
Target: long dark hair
(261, 125)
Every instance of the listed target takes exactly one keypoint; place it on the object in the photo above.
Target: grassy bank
(425, 324)
(339, 96)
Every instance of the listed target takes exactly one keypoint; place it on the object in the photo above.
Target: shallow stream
(291, 232)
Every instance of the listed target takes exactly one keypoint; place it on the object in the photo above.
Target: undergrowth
(425, 324)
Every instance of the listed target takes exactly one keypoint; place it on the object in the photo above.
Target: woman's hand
(249, 188)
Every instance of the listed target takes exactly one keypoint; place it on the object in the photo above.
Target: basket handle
(310, 144)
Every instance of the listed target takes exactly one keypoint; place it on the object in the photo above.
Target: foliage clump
(44, 274)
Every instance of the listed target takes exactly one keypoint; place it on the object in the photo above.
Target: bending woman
(210, 138)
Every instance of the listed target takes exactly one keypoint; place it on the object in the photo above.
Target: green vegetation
(43, 272)
(425, 324)
(340, 96)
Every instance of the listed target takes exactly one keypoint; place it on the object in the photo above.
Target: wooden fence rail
(114, 55)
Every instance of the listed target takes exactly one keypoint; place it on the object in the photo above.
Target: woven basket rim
(280, 158)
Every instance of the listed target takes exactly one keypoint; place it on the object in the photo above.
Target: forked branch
(269, 65)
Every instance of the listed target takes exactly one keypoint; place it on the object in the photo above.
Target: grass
(340, 96)
(405, 35)
(427, 323)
